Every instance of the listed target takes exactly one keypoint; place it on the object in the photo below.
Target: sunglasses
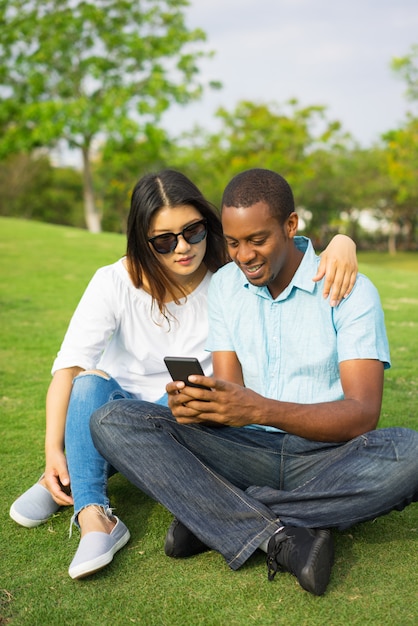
(195, 233)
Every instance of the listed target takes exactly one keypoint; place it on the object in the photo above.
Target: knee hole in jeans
(100, 373)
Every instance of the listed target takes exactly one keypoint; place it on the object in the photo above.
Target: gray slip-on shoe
(97, 549)
(34, 507)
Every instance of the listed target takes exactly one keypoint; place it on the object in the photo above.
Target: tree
(284, 138)
(402, 165)
(31, 188)
(120, 165)
(402, 149)
(407, 68)
(365, 194)
(82, 70)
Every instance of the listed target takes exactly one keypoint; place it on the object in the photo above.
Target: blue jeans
(233, 487)
(89, 471)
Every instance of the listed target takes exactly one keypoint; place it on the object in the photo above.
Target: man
(295, 398)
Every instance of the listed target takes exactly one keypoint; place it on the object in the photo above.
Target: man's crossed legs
(237, 488)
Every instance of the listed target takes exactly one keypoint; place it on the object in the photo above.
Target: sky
(321, 52)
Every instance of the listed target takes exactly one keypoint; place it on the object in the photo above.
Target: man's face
(258, 244)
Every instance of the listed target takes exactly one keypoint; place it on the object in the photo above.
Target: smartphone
(180, 368)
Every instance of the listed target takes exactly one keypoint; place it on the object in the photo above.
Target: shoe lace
(101, 510)
(281, 549)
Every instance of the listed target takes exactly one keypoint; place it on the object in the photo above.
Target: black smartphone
(180, 368)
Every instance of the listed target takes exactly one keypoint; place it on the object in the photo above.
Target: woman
(149, 304)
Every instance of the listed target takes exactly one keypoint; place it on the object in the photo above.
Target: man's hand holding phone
(181, 368)
(211, 401)
(190, 386)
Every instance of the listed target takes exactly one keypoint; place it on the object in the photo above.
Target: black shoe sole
(315, 575)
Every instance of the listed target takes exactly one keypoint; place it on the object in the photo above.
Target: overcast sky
(325, 52)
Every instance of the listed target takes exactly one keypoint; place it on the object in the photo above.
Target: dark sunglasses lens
(192, 234)
(165, 243)
(195, 233)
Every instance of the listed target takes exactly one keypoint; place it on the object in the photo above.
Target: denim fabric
(88, 470)
(233, 487)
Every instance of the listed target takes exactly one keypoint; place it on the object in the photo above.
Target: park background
(95, 94)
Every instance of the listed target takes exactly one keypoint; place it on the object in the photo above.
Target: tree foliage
(79, 70)
(402, 150)
(286, 138)
(407, 68)
(336, 183)
(402, 165)
(121, 164)
(31, 188)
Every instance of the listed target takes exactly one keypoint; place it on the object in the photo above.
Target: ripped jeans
(89, 472)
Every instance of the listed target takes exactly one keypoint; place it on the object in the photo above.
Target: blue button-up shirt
(290, 347)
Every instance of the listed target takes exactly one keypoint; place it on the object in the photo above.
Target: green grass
(43, 272)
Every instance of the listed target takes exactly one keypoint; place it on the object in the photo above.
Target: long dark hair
(167, 188)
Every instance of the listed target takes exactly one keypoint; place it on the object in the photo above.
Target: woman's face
(186, 258)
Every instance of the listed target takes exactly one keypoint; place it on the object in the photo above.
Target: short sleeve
(219, 337)
(360, 325)
(91, 326)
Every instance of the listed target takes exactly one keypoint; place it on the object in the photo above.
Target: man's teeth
(253, 269)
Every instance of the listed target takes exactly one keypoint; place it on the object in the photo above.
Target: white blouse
(115, 328)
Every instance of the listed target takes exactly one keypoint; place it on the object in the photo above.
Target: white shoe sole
(25, 521)
(36, 502)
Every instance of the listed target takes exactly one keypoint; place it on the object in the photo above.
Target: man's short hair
(260, 185)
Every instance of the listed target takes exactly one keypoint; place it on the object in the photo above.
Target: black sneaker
(308, 554)
(181, 543)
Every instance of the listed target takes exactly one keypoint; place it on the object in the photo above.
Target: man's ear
(291, 225)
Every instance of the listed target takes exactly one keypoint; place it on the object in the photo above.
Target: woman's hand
(339, 266)
(57, 479)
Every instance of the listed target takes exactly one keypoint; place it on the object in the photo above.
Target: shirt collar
(302, 278)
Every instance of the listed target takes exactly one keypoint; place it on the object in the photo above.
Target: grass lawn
(44, 270)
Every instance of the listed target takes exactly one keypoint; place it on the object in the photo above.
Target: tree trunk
(392, 238)
(91, 215)
(411, 226)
